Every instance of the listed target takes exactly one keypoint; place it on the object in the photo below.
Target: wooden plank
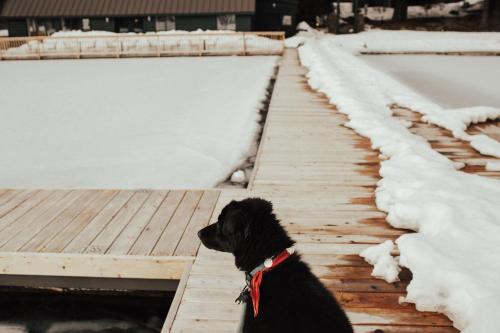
(189, 244)
(7, 195)
(107, 236)
(31, 227)
(92, 229)
(403, 329)
(173, 232)
(59, 241)
(47, 206)
(90, 265)
(179, 294)
(153, 231)
(47, 231)
(132, 231)
(19, 205)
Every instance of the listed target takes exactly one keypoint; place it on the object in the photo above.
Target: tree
(491, 13)
(400, 10)
(309, 10)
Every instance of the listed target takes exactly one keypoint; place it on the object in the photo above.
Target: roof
(68, 8)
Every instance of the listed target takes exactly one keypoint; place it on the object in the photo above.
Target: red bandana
(257, 279)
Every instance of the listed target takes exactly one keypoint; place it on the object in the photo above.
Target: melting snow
(455, 253)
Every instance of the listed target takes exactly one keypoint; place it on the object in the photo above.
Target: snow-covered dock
(102, 44)
(321, 177)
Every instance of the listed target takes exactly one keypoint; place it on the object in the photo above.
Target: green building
(44, 17)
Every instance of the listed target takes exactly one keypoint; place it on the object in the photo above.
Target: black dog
(282, 295)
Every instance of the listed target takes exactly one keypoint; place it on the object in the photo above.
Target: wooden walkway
(321, 178)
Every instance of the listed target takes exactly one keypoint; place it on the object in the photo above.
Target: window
(164, 23)
(287, 20)
(226, 22)
(86, 24)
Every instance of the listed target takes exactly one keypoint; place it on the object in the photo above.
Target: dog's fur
(292, 299)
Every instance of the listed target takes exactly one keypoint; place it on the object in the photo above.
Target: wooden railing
(143, 45)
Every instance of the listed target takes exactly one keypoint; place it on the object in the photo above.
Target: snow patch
(493, 166)
(385, 265)
(238, 177)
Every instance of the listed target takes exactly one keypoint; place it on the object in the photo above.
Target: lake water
(49, 312)
(451, 81)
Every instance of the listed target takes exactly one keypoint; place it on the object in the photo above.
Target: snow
(387, 41)
(385, 265)
(4, 33)
(167, 41)
(129, 123)
(238, 176)
(454, 252)
(493, 166)
(440, 78)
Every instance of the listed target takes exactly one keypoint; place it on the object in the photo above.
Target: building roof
(69, 8)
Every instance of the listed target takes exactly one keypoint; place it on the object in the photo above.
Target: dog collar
(254, 278)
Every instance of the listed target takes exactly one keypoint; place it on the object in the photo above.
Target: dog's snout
(200, 233)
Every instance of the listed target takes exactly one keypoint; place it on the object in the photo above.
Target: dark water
(48, 312)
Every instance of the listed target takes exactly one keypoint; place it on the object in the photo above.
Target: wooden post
(158, 45)
(337, 18)
(117, 47)
(244, 44)
(38, 46)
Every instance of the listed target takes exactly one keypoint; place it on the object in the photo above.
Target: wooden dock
(321, 178)
(101, 233)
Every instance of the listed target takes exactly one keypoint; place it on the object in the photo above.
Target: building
(43, 17)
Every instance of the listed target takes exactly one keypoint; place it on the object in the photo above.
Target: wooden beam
(91, 265)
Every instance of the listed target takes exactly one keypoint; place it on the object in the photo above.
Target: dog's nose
(199, 234)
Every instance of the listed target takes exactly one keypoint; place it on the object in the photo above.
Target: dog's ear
(235, 221)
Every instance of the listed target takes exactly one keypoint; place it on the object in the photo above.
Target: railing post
(38, 47)
(158, 53)
(117, 47)
(244, 44)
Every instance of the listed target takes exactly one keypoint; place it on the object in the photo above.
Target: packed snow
(389, 41)
(440, 78)
(385, 266)
(168, 42)
(454, 254)
(129, 123)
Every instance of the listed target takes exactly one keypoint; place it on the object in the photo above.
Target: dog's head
(248, 229)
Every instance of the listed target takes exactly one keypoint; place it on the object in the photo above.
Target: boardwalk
(321, 178)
